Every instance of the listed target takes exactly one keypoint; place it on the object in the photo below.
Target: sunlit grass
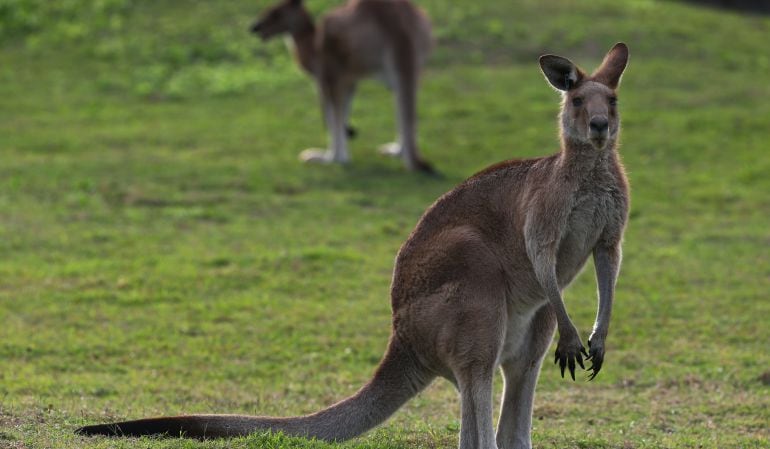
(165, 252)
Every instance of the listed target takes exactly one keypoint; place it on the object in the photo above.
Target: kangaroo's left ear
(612, 67)
(560, 72)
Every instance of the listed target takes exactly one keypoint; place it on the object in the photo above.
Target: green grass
(163, 251)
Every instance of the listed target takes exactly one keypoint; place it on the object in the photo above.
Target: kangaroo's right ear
(560, 72)
(612, 67)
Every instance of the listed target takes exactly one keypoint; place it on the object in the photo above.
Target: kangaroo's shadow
(377, 179)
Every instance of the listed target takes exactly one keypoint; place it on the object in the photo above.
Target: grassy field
(163, 251)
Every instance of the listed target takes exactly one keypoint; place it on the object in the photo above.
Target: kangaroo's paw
(595, 355)
(319, 156)
(392, 149)
(570, 350)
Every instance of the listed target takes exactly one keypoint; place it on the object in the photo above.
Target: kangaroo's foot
(320, 156)
(423, 167)
(392, 149)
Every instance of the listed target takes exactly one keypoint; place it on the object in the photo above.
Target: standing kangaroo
(479, 283)
(390, 39)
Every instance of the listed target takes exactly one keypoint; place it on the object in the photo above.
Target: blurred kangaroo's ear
(612, 67)
(296, 2)
(560, 72)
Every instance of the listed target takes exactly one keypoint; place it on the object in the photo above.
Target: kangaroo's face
(589, 112)
(281, 18)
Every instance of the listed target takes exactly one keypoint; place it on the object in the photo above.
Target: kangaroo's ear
(295, 2)
(560, 72)
(612, 67)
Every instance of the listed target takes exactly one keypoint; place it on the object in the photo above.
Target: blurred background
(164, 251)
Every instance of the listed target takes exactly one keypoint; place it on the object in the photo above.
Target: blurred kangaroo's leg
(336, 98)
(406, 80)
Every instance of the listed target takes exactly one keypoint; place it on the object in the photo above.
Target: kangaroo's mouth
(598, 141)
(261, 30)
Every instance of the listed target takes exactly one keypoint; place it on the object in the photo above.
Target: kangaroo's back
(364, 31)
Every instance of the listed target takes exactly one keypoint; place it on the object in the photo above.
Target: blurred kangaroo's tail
(398, 378)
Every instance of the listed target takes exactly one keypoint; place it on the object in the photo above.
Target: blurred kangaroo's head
(287, 16)
(589, 108)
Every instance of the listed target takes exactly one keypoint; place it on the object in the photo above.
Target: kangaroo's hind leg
(336, 98)
(402, 72)
(477, 427)
(521, 370)
(406, 106)
(478, 341)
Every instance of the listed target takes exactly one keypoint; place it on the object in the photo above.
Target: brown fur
(478, 284)
(389, 39)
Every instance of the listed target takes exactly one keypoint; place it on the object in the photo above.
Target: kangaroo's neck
(579, 158)
(303, 37)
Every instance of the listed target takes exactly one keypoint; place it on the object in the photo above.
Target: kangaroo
(478, 283)
(390, 39)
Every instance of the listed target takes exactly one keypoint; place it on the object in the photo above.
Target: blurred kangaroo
(389, 39)
(478, 284)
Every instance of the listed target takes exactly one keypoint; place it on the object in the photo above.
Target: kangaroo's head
(589, 112)
(287, 16)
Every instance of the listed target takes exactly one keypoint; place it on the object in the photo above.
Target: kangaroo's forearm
(545, 271)
(607, 264)
(541, 246)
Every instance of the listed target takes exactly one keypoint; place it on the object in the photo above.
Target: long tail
(398, 378)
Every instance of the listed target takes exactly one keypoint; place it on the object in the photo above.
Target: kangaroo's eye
(613, 101)
(577, 102)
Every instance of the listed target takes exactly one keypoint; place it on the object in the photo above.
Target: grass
(164, 251)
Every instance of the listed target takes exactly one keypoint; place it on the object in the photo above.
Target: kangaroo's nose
(599, 124)
(255, 28)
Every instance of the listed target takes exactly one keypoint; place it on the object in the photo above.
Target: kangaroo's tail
(398, 378)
